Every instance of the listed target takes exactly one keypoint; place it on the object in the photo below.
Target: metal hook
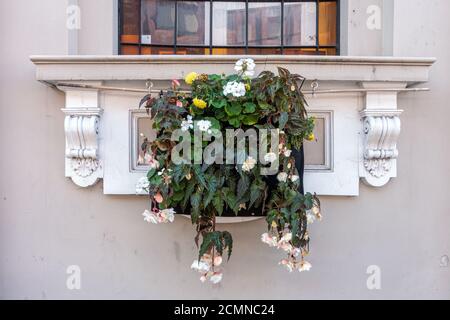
(149, 85)
(314, 86)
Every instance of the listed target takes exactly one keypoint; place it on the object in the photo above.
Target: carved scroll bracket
(381, 130)
(83, 157)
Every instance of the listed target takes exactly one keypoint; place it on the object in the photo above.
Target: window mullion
(246, 27)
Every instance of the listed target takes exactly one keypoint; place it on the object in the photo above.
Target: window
(229, 27)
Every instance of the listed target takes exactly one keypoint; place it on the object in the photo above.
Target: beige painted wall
(47, 224)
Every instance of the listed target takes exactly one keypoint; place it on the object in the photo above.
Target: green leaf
(243, 186)
(151, 173)
(199, 175)
(250, 119)
(177, 196)
(196, 199)
(228, 240)
(263, 105)
(235, 122)
(249, 107)
(255, 193)
(189, 190)
(206, 243)
(233, 109)
(212, 187)
(219, 103)
(284, 117)
(218, 203)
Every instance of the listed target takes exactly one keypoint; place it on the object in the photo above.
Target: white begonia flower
(287, 153)
(216, 277)
(295, 178)
(304, 266)
(236, 89)
(167, 215)
(267, 239)
(288, 264)
(282, 177)
(287, 237)
(142, 185)
(187, 124)
(285, 246)
(200, 266)
(270, 157)
(310, 217)
(150, 217)
(248, 164)
(204, 125)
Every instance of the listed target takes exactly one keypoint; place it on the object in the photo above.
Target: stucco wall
(47, 224)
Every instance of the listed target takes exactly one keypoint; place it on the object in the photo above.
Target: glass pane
(157, 50)
(264, 24)
(229, 23)
(193, 23)
(300, 51)
(145, 134)
(315, 150)
(129, 50)
(130, 21)
(327, 23)
(224, 51)
(300, 24)
(158, 22)
(187, 50)
(256, 51)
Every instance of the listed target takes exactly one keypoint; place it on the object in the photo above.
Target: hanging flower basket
(232, 146)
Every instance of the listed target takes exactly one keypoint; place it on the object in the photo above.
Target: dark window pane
(229, 51)
(187, 50)
(264, 24)
(258, 51)
(158, 22)
(229, 23)
(327, 23)
(300, 51)
(130, 21)
(129, 50)
(300, 24)
(193, 23)
(156, 50)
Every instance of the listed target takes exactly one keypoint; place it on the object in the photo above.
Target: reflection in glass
(327, 23)
(145, 135)
(300, 24)
(229, 23)
(193, 23)
(158, 22)
(315, 150)
(264, 24)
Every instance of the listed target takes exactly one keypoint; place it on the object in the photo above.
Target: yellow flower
(199, 103)
(191, 77)
(247, 87)
(311, 137)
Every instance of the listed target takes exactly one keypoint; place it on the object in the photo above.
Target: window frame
(282, 47)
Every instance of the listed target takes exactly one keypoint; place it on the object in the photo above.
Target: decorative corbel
(381, 130)
(83, 159)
